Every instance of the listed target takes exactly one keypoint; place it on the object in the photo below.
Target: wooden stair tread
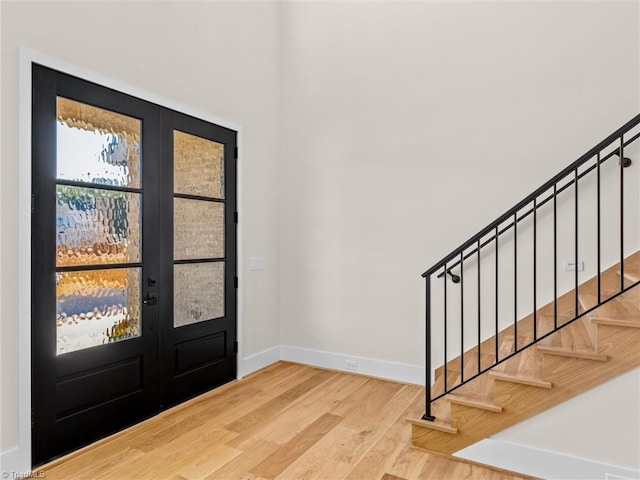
(565, 352)
(507, 377)
(435, 425)
(470, 402)
(617, 322)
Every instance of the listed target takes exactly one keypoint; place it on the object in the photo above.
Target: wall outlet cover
(351, 365)
(570, 265)
(256, 263)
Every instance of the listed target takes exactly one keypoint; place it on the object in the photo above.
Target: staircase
(591, 350)
(574, 342)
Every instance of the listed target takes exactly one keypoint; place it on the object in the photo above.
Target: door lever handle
(150, 299)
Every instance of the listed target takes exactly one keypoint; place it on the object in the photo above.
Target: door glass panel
(95, 145)
(96, 307)
(198, 166)
(95, 226)
(198, 229)
(198, 292)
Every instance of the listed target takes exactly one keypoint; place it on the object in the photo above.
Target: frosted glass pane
(96, 307)
(198, 166)
(198, 228)
(198, 291)
(95, 226)
(96, 145)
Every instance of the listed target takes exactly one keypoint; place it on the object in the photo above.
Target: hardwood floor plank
(262, 414)
(360, 415)
(246, 461)
(379, 459)
(92, 464)
(433, 467)
(296, 447)
(410, 462)
(188, 456)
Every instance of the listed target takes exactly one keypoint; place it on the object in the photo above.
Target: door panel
(133, 260)
(94, 241)
(199, 301)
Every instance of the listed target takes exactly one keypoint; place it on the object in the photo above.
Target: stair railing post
(427, 367)
(621, 212)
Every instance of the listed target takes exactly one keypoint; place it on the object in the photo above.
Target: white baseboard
(399, 372)
(259, 360)
(542, 463)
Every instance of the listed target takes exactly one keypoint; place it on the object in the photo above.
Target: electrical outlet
(351, 365)
(570, 265)
(256, 263)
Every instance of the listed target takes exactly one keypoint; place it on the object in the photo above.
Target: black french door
(197, 256)
(133, 260)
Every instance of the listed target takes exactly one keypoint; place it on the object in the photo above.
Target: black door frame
(40, 237)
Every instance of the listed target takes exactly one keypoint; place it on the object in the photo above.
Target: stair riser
(433, 440)
(619, 343)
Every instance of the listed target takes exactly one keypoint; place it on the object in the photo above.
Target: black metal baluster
(461, 317)
(515, 282)
(555, 256)
(479, 311)
(598, 228)
(621, 212)
(446, 367)
(427, 414)
(535, 269)
(575, 188)
(497, 287)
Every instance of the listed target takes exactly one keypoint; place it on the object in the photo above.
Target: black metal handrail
(472, 248)
(578, 163)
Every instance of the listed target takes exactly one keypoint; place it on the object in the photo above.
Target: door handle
(150, 299)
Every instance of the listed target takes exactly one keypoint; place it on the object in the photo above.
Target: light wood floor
(287, 421)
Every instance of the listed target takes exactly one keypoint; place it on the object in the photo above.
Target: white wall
(547, 446)
(408, 126)
(608, 410)
(215, 57)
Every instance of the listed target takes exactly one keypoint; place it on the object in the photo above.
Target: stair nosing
(580, 354)
(432, 425)
(468, 402)
(534, 382)
(617, 322)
